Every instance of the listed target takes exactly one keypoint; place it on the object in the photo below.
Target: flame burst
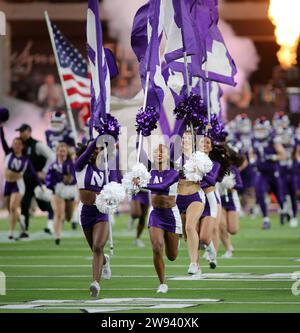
(284, 14)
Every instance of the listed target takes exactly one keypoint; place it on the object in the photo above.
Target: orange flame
(284, 14)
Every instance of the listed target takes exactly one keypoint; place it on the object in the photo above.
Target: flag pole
(69, 110)
(110, 215)
(207, 95)
(140, 142)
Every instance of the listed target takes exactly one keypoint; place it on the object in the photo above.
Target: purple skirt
(183, 201)
(142, 197)
(231, 202)
(90, 215)
(14, 187)
(167, 219)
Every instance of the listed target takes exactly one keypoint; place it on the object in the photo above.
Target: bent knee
(98, 249)
(172, 256)
(157, 248)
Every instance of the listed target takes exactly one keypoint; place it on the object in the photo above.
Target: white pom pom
(197, 166)
(227, 183)
(110, 197)
(43, 193)
(67, 192)
(138, 171)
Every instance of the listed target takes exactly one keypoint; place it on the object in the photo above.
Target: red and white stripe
(77, 88)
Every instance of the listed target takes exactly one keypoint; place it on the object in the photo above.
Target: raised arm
(172, 178)
(83, 159)
(5, 146)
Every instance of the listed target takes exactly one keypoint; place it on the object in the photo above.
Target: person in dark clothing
(41, 156)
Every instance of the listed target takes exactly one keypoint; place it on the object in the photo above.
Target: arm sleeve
(6, 149)
(211, 178)
(172, 178)
(82, 160)
(33, 173)
(43, 150)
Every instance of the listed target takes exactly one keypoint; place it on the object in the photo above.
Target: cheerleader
(268, 151)
(210, 218)
(60, 179)
(190, 201)
(230, 202)
(16, 163)
(164, 220)
(91, 179)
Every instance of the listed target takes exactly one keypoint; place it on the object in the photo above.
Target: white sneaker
(94, 289)
(212, 256)
(205, 256)
(137, 242)
(163, 289)
(106, 271)
(293, 223)
(227, 255)
(193, 268)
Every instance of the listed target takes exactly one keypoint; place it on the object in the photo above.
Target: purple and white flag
(100, 83)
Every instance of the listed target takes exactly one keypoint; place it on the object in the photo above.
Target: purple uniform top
(263, 150)
(57, 171)
(53, 138)
(211, 178)
(17, 163)
(243, 142)
(88, 176)
(163, 182)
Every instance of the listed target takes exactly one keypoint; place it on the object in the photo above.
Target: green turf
(40, 264)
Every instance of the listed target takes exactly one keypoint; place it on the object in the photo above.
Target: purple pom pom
(217, 133)
(146, 121)
(110, 127)
(191, 110)
(4, 115)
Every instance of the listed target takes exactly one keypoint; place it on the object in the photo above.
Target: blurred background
(27, 63)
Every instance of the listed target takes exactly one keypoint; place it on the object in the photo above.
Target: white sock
(75, 217)
(266, 219)
(50, 224)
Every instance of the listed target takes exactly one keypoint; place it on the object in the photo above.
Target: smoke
(120, 16)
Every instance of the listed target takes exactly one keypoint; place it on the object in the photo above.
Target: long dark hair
(220, 154)
(235, 158)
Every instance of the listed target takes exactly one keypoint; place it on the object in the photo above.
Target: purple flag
(100, 82)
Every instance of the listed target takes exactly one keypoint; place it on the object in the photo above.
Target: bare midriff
(12, 176)
(186, 187)
(87, 197)
(163, 201)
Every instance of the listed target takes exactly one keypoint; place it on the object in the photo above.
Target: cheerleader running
(210, 217)
(164, 220)
(90, 180)
(190, 201)
(15, 166)
(60, 179)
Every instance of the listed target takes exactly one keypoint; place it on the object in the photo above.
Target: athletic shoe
(163, 289)
(266, 225)
(94, 289)
(48, 231)
(11, 238)
(227, 255)
(23, 235)
(193, 268)
(74, 225)
(106, 271)
(137, 242)
(205, 256)
(57, 241)
(212, 256)
(293, 223)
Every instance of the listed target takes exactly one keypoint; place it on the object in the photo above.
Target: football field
(43, 277)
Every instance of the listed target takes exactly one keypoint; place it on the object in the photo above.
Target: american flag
(75, 71)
